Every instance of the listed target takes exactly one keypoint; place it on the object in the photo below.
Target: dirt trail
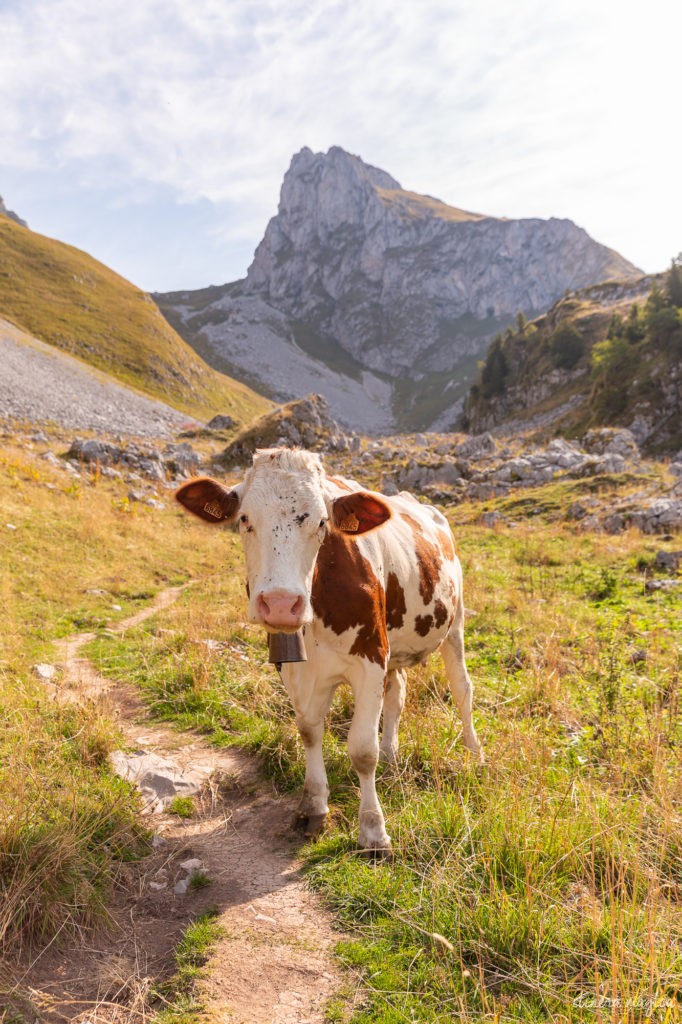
(274, 964)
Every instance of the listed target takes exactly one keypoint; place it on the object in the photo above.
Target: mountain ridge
(379, 297)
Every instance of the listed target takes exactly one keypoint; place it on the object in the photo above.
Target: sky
(154, 134)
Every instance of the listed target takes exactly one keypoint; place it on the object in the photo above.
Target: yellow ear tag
(213, 509)
(350, 524)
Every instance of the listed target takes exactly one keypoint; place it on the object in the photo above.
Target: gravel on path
(40, 384)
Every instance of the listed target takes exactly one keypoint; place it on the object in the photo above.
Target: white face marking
(282, 522)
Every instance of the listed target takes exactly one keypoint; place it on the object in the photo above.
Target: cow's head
(283, 510)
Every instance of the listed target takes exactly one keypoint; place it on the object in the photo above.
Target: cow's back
(396, 588)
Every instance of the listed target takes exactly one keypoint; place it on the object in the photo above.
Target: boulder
(221, 422)
(612, 441)
(305, 423)
(158, 778)
(476, 447)
(92, 450)
(670, 561)
(176, 461)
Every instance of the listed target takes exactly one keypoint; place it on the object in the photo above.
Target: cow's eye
(323, 523)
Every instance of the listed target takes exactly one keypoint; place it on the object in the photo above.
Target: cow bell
(286, 647)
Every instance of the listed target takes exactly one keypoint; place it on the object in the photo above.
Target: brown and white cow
(375, 585)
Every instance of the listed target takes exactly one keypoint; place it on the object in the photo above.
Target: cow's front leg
(363, 748)
(311, 700)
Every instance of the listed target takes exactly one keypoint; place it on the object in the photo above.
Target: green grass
(182, 807)
(66, 298)
(66, 821)
(180, 994)
(554, 872)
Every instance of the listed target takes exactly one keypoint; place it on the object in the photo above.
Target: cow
(374, 584)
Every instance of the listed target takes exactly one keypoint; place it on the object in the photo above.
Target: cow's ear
(359, 512)
(209, 500)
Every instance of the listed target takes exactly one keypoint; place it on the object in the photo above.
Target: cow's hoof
(310, 824)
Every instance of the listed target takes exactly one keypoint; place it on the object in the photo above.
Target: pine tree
(674, 282)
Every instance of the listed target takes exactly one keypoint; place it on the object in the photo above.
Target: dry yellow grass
(412, 204)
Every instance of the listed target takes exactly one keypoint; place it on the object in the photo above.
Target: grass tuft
(182, 1002)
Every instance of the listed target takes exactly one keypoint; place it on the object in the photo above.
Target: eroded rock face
(369, 286)
(389, 274)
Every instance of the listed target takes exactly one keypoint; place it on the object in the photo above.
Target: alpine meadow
(166, 855)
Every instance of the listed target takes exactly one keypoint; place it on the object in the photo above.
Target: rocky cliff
(380, 298)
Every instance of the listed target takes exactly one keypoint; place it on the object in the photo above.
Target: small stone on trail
(44, 671)
(181, 887)
(158, 886)
(260, 917)
(159, 778)
(193, 864)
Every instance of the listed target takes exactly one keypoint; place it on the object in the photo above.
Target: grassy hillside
(66, 298)
(606, 355)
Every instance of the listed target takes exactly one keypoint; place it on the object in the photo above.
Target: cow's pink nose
(280, 608)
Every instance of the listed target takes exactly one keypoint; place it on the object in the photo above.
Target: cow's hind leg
(311, 700)
(394, 701)
(363, 748)
(461, 689)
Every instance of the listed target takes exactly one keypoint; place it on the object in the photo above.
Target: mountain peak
(340, 163)
(383, 299)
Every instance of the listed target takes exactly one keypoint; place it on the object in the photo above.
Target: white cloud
(518, 110)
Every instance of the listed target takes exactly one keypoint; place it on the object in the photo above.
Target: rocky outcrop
(382, 293)
(11, 214)
(481, 467)
(173, 462)
(305, 423)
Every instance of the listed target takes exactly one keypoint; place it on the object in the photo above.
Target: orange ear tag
(213, 509)
(350, 524)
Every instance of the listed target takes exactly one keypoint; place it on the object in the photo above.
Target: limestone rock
(158, 778)
(612, 441)
(359, 286)
(305, 423)
(176, 461)
(45, 672)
